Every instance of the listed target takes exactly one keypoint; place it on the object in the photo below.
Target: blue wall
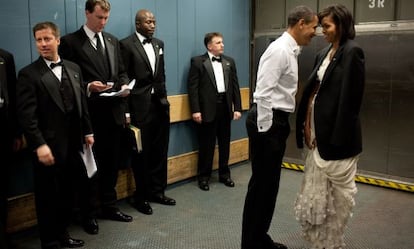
(180, 23)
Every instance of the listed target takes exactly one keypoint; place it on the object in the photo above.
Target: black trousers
(54, 194)
(150, 165)
(5, 157)
(219, 128)
(107, 155)
(266, 152)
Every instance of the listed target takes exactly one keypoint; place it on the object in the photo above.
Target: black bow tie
(53, 65)
(216, 59)
(147, 40)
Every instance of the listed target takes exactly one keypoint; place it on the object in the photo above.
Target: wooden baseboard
(21, 209)
(180, 106)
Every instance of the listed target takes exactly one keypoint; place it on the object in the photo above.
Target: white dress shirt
(218, 74)
(277, 80)
(149, 50)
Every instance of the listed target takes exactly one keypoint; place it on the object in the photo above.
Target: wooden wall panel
(180, 107)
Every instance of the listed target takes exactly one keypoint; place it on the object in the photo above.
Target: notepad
(137, 134)
(120, 92)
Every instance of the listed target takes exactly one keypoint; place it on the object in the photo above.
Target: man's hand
(126, 92)
(45, 156)
(237, 115)
(197, 117)
(98, 86)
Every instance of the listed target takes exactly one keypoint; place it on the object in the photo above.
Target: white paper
(89, 160)
(120, 92)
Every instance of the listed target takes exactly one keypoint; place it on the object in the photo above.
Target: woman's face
(329, 29)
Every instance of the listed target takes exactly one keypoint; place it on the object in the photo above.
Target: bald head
(145, 22)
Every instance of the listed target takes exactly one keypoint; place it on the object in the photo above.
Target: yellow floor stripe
(363, 179)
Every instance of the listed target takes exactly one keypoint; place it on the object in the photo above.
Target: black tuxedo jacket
(337, 104)
(202, 88)
(8, 89)
(138, 67)
(41, 111)
(76, 47)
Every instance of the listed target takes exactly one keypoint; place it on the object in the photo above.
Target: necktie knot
(146, 40)
(53, 65)
(218, 59)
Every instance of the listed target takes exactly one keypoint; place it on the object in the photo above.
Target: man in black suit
(10, 138)
(52, 112)
(98, 55)
(150, 111)
(214, 94)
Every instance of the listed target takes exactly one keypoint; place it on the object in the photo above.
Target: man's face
(47, 44)
(97, 19)
(216, 46)
(307, 31)
(146, 25)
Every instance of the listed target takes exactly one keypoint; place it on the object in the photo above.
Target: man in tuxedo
(143, 56)
(10, 137)
(98, 55)
(214, 94)
(52, 112)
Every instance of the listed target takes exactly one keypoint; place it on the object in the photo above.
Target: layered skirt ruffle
(326, 199)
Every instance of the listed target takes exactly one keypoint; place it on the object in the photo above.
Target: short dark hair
(209, 36)
(90, 5)
(343, 20)
(46, 25)
(300, 12)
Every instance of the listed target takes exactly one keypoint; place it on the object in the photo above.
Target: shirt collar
(210, 55)
(293, 45)
(48, 62)
(141, 38)
(89, 32)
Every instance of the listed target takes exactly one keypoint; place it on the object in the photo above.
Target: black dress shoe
(227, 181)
(162, 199)
(90, 226)
(71, 242)
(203, 185)
(279, 246)
(116, 215)
(143, 207)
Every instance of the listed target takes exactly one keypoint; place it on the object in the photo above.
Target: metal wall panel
(374, 10)
(349, 4)
(405, 10)
(269, 15)
(387, 115)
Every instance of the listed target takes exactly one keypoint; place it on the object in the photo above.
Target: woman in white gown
(329, 125)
